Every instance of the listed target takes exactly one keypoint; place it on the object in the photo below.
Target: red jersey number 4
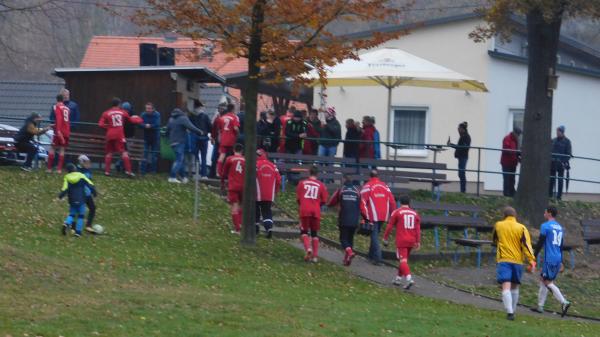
(238, 167)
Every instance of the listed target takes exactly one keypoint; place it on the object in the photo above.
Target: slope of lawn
(156, 273)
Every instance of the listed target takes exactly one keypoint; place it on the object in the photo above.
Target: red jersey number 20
(311, 192)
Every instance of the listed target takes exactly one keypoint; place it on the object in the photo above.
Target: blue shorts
(77, 209)
(550, 271)
(509, 272)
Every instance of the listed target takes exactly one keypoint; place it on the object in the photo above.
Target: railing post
(478, 168)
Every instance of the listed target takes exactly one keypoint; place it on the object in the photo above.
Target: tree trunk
(532, 195)
(250, 97)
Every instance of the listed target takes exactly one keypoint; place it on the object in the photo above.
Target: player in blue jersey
(74, 186)
(551, 239)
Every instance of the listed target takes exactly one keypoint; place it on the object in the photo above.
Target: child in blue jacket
(74, 186)
(83, 166)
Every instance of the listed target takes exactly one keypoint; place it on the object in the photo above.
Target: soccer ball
(98, 229)
(136, 119)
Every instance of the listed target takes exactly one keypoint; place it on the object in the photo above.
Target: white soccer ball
(98, 229)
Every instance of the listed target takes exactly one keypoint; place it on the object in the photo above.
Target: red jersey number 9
(311, 192)
(65, 114)
(117, 120)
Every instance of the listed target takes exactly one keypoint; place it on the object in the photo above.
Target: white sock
(515, 299)
(507, 301)
(556, 292)
(408, 278)
(542, 294)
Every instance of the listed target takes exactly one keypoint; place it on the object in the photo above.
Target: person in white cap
(83, 165)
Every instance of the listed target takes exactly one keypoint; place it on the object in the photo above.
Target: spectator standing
(348, 197)
(313, 130)
(177, 129)
(283, 119)
(268, 130)
(351, 146)
(331, 133)
(377, 203)
(241, 115)
(200, 143)
(113, 120)
(72, 105)
(62, 131)
(461, 152)
(151, 127)
(376, 140)
(268, 183)
(509, 161)
(367, 147)
(295, 132)
(24, 138)
(561, 154)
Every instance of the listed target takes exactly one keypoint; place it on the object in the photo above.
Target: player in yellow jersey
(513, 245)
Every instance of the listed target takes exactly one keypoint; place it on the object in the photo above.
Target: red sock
(403, 269)
(126, 163)
(61, 162)
(107, 162)
(349, 251)
(315, 246)
(50, 161)
(238, 221)
(219, 168)
(305, 241)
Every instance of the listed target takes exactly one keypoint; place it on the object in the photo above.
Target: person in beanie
(331, 133)
(461, 152)
(177, 129)
(295, 132)
(151, 127)
(25, 135)
(561, 154)
(509, 161)
(348, 198)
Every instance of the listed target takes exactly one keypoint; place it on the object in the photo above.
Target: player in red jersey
(311, 194)
(268, 183)
(227, 129)
(113, 120)
(62, 131)
(407, 223)
(233, 172)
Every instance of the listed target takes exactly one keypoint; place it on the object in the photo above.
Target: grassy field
(156, 273)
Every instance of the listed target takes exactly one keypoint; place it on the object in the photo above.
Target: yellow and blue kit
(513, 245)
(74, 185)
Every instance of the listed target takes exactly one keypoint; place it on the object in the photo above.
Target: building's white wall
(449, 46)
(576, 104)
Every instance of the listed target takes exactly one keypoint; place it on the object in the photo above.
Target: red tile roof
(123, 51)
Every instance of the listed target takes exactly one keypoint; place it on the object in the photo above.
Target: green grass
(156, 273)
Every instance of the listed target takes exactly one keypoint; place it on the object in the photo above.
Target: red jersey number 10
(409, 221)
(311, 192)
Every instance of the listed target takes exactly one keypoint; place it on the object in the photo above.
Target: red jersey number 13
(117, 120)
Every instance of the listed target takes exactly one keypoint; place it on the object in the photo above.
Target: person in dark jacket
(509, 161)
(151, 127)
(331, 133)
(83, 165)
(268, 130)
(351, 147)
(348, 197)
(461, 152)
(295, 132)
(73, 109)
(199, 144)
(313, 130)
(367, 147)
(24, 138)
(561, 154)
(74, 186)
(177, 129)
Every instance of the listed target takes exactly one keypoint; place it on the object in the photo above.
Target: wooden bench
(570, 247)
(591, 232)
(92, 145)
(473, 243)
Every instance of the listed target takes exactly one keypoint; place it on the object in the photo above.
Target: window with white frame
(517, 116)
(410, 128)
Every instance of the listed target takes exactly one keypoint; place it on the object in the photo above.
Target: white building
(423, 115)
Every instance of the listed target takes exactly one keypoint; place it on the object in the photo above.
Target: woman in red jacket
(367, 147)
(509, 161)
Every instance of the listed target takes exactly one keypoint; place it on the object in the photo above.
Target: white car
(9, 153)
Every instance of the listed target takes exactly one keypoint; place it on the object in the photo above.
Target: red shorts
(57, 141)
(114, 145)
(310, 223)
(403, 252)
(234, 196)
(225, 149)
